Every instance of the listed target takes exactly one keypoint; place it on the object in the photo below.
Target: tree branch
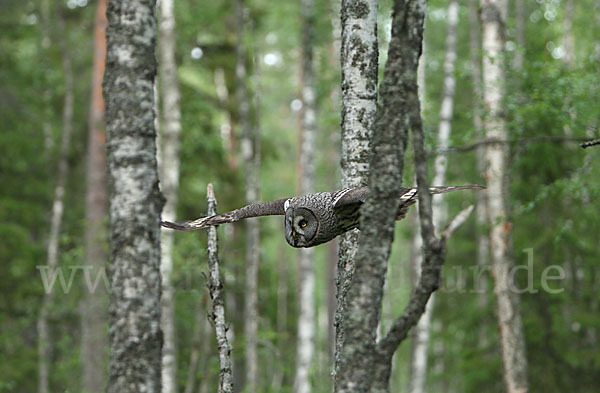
(418, 299)
(434, 255)
(433, 250)
(217, 315)
(591, 143)
(458, 220)
(488, 141)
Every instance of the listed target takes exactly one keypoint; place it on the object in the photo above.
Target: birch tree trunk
(306, 286)
(43, 329)
(398, 101)
(217, 314)
(251, 159)
(169, 182)
(135, 199)
(440, 209)
(482, 237)
(94, 337)
(493, 13)
(359, 59)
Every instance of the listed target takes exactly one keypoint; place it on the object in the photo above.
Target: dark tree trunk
(397, 101)
(94, 334)
(135, 199)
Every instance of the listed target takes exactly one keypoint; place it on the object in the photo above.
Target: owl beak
(294, 240)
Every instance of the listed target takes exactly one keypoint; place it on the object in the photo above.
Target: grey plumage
(313, 219)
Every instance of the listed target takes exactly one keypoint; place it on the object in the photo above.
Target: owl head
(301, 227)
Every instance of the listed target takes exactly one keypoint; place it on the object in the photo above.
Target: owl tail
(180, 226)
(444, 189)
(409, 198)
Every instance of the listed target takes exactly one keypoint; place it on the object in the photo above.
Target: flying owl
(313, 219)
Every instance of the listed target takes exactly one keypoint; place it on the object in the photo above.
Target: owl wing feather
(350, 199)
(258, 209)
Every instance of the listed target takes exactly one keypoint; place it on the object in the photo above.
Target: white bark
(218, 309)
(359, 88)
(493, 15)
(306, 323)
(169, 182)
(420, 349)
(43, 329)
(421, 81)
(135, 199)
(359, 58)
(306, 286)
(422, 330)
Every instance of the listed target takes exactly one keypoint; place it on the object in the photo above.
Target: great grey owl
(313, 219)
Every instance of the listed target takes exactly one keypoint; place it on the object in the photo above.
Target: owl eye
(302, 223)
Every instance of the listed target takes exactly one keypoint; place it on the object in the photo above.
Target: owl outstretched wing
(350, 199)
(258, 209)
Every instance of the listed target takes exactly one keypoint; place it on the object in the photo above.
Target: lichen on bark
(135, 200)
(397, 98)
(359, 62)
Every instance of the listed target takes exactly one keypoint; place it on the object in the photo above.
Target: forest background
(551, 104)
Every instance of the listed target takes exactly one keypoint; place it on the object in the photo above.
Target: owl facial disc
(301, 227)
